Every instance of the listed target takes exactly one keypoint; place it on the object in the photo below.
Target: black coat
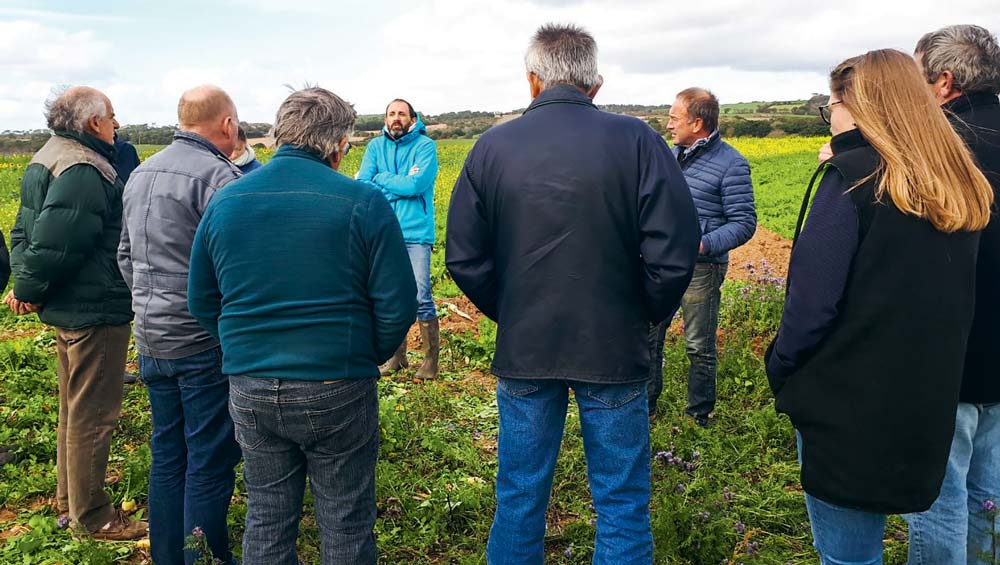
(978, 122)
(573, 229)
(875, 403)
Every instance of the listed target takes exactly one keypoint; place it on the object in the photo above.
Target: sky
(441, 55)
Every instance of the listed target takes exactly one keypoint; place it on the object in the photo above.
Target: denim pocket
(615, 396)
(245, 427)
(517, 387)
(342, 428)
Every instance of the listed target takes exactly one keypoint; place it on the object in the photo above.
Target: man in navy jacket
(719, 178)
(574, 230)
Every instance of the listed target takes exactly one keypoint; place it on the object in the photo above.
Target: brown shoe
(396, 362)
(122, 529)
(430, 335)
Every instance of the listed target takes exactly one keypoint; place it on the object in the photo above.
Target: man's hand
(825, 153)
(414, 171)
(701, 248)
(17, 306)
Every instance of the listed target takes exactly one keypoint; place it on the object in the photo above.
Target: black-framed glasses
(824, 110)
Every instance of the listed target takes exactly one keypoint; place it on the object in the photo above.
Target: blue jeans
(615, 426)
(844, 536)
(700, 309)
(327, 431)
(420, 260)
(194, 454)
(956, 530)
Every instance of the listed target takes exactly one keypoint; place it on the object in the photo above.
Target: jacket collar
(687, 153)
(845, 141)
(967, 102)
(198, 141)
(286, 151)
(560, 94)
(103, 149)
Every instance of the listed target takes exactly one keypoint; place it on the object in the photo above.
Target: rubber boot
(430, 336)
(396, 362)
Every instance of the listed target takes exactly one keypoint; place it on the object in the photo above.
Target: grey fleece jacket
(164, 201)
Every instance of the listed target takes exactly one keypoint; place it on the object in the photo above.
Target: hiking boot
(430, 337)
(122, 529)
(396, 362)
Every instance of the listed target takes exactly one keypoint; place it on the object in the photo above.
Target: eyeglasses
(824, 110)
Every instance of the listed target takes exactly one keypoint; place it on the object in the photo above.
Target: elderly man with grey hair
(63, 262)
(194, 450)
(574, 230)
(962, 66)
(301, 273)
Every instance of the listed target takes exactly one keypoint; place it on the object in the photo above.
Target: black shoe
(130, 378)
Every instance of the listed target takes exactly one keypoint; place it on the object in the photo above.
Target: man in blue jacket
(402, 163)
(719, 179)
(574, 230)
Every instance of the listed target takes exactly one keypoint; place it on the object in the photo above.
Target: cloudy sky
(442, 55)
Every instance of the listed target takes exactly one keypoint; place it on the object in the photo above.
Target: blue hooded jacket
(387, 164)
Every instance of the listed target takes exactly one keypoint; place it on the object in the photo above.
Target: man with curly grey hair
(301, 273)
(962, 66)
(63, 261)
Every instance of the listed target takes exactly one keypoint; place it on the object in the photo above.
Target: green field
(438, 457)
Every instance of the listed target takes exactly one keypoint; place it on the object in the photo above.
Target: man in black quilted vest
(719, 179)
(63, 249)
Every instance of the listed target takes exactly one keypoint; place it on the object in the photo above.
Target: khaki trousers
(91, 364)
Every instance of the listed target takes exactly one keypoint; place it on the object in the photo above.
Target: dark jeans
(615, 428)
(194, 455)
(700, 309)
(327, 431)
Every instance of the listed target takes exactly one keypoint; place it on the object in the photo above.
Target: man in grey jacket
(194, 449)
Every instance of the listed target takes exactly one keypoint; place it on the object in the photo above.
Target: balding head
(202, 105)
(209, 112)
(73, 109)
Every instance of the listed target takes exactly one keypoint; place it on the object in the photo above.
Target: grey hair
(563, 54)
(314, 119)
(70, 109)
(969, 52)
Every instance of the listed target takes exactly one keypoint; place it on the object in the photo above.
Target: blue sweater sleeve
(204, 296)
(817, 274)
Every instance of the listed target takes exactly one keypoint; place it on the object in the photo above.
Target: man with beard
(402, 163)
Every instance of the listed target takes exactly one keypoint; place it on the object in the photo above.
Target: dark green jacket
(65, 238)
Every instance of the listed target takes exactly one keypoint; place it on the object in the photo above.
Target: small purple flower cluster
(668, 458)
(740, 528)
(989, 506)
(63, 522)
(753, 548)
(727, 494)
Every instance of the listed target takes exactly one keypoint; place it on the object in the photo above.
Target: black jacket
(977, 119)
(875, 403)
(573, 229)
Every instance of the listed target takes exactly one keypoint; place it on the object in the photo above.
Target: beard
(398, 130)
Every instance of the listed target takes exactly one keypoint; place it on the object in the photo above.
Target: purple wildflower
(196, 532)
(696, 456)
(740, 528)
(63, 522)
(753, 548)
(593, 520)
(727, 495)
(568, 552)
(989, 506)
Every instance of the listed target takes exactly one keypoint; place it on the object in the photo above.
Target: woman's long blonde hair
(926, 167)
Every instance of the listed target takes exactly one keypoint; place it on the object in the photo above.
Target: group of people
(268, 300)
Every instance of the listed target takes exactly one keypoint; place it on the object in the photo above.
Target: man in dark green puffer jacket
(63, 258)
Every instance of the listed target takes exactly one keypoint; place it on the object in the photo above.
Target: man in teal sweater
(302, 275)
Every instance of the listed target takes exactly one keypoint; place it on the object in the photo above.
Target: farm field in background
(726, 494)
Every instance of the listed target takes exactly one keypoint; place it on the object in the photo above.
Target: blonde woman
(868, 359)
